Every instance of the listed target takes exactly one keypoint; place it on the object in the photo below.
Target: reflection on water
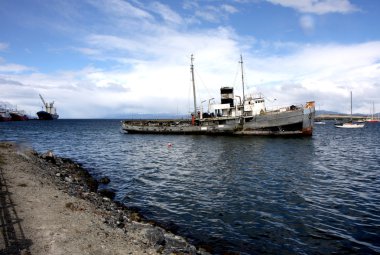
(251, 195)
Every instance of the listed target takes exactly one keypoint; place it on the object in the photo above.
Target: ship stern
(308, 118)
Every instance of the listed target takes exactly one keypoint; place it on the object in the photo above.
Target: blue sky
(99, 58)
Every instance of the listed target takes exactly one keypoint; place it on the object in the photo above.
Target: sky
(119, 58)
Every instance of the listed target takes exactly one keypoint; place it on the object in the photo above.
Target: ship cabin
(232, 106)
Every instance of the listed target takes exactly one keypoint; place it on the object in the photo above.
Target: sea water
(249, 195)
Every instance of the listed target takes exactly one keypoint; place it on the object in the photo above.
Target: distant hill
(324, 112)
(321, 112)
(148, 116)
(187, 116)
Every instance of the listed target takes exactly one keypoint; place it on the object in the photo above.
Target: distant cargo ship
(4, 115)
(246, 116)
(50, 112)
(18, 116)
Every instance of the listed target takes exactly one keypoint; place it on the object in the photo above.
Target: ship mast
(351, 104)
(192, 79)
(242, 75)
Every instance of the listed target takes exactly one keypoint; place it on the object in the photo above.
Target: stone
(155, 236)
(109, 193)
(68, 179)
(104, 180)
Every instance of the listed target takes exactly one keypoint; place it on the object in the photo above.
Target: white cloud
(210, 13)
(121, 8)
(229, 8)
(3, 46)
(325, 73)
(87, 51)
(318, 6)
(147, 67)
(307, 23)
(166, 13)
(111, 42)
(13, 68)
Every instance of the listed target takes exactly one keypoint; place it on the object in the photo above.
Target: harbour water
(249, 195)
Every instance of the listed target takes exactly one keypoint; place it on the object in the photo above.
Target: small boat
(234, 115)
(350, 124)
(319, 122)
(50, 112)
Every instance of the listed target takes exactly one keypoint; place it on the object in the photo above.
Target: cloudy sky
(102, 58)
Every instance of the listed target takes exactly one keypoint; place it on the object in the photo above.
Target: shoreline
(52, 205)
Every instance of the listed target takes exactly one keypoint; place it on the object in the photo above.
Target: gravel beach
(51, 205)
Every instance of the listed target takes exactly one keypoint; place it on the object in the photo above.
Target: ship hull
(4, 119)
(42, 115)
(4, 116)
(18, 117)
(289, 123)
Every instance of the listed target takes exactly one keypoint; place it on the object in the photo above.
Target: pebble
(68, 179)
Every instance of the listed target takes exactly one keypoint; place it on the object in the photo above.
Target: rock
(120, 224)
(49, 156)
(104, 180)
(109, 193)
(25, 252)
(175, 243)
(155, 236)
(68, 179)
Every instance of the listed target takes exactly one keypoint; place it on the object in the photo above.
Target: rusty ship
(234, 115)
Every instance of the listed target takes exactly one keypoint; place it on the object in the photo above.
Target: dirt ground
(40, 217)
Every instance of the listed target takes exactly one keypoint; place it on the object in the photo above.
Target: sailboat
(350, 124)
(372, 119)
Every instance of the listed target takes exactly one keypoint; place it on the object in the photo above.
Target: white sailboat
(350, 124)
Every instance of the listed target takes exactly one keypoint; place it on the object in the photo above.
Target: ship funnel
(227, 95)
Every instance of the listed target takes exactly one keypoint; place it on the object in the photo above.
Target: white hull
(350, 125)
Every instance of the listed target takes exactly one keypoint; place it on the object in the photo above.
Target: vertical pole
(242, 76)
(373, 109)
(351, 105)
(192, 79)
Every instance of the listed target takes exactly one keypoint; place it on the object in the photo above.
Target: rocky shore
(51, 205)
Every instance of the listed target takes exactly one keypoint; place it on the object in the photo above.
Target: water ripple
(250, 195)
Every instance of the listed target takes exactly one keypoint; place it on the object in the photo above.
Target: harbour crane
(48, 106)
